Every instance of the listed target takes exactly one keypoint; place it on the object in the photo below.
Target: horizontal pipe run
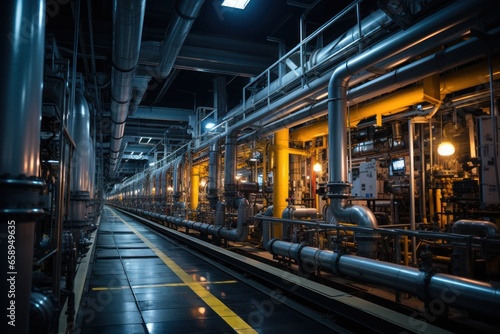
(462, 293)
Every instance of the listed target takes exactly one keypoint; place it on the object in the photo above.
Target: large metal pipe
(471, 49)
(23, 44)
(178, 29)
(79, 129)
(339, 187)
(465, 294)
(475, 227)
(371, 25)
(220, 230)
(214, 160)
(128, 17)
(176, 183)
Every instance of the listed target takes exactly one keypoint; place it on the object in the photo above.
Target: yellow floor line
(159, 285)
(231, 318)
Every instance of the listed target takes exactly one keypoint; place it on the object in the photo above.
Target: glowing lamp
(446, 149)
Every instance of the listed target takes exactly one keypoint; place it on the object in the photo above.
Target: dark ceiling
(232, 43)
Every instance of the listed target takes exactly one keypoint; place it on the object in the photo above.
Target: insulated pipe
(213, 172)
(128, 18)
(475, 227)
(230, 186)
(240, 233)
(23, 43)
(441, 61)
(371, 25)
(281, 170)
(462, 255)
(466, 294)
(185, 13)
(195, 186)
(338, 185)
(79, 130)
(176, 185)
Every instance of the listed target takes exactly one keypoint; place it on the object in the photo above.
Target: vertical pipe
(195, 185)
(23, 37)
(423, 193)
(264, 173)
(213, 174)
(281, 168)
(412, 190)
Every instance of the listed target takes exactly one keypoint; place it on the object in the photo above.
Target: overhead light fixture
(239, 4)
(151, 164)
(317, 167)
(209, 125)
(445, 149)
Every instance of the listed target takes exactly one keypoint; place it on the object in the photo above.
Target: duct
(475, 227)
(338, 185)
(465, 294)
(128, 17)
(23, 45)
(180, 25)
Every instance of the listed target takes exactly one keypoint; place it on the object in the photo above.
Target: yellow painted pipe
(281, 171)
(388, 105)
(309, 132)
(469, 76)
(195, 186)
(438, 208)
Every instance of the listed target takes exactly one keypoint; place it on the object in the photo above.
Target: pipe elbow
(356, 214)
(476, 227)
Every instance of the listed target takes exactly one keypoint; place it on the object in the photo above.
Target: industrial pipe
(23, 45)
(338, 186)
(475, 227)
(185, 13)
(466, 294)
(128, 18)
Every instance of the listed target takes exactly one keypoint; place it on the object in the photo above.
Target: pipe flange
(339, 189)
(21, 195)
(79, 196)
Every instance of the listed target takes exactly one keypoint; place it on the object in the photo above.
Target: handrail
(299, 47)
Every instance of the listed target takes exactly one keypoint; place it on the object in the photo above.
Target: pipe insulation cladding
(23, 46)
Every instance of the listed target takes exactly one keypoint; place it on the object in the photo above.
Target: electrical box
(369, 181)
(486, 150)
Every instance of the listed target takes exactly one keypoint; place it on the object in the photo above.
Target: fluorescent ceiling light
(240, 4)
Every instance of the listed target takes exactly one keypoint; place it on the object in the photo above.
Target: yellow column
(195, 186)
(281, 175)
